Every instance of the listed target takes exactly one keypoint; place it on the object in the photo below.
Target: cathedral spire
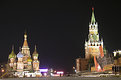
(93, 16)
(35, 48)
(35, 52)
(25, 47)
(25, 36)
(12, 47)
(25, 39)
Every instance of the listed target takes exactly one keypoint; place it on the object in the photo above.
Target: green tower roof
(12, 55)
(93, 16)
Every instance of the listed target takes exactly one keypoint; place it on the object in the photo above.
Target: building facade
(24, 64)
(81, 64)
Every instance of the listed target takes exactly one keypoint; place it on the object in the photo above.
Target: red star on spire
(92, 8)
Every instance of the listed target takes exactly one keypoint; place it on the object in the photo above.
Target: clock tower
(94, 42)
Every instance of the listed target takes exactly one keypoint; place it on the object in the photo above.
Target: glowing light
(54, 71)
(3, 70)
(73, 67)
(45, 74)
(75, 70)
(43, 70)
(114, 53)
(60, 72)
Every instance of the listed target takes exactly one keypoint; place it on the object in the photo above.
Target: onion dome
(20, 55)
(35, 52)
(29, 59)
(12, 55)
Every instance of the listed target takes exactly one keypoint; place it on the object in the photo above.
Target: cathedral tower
(25, 52)
(25, 48)
(12, 59)
(20, 64)
(35, 60)
(25, 62)
(94, 42)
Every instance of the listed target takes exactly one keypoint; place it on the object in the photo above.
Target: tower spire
(20, 49)
(25, 39)
(12, 47)
(35, 48)
(25, 36)
(93, 16)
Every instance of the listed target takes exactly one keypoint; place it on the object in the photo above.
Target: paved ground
(67, 78)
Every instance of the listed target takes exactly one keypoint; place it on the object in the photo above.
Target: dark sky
(58, 28)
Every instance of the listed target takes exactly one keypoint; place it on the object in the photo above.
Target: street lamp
(2, 70)
(74, 70)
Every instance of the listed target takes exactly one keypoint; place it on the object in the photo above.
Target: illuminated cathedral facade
(24, 64)
(94, 42)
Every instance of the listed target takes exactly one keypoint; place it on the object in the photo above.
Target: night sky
(58, 28)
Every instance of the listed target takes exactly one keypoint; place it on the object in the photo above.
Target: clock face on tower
(94, 37)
